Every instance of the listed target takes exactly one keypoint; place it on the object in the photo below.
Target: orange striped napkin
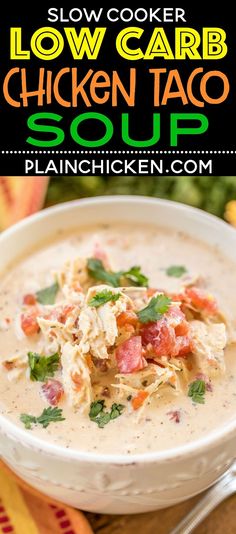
(25, 511)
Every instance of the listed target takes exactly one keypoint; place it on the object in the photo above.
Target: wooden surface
(221, 521)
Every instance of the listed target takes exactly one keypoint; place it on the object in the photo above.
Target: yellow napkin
(23, 510)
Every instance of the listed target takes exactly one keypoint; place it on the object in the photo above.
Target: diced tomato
(184, 346)
(129, 356)
(53, 391)
(161, 336)
(127, 318)
(170, 336)
(29, 300)
(138, 401)
(29, 323)
(178, 297)
(202, 300)
(182, 329)
(176, 317)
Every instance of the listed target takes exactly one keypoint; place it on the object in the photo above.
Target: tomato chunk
(202, 300)
(29, 300)
(29, 323)
(127, 318)
(161, 336)
(129, 356)
(53, 391)
(170, 336)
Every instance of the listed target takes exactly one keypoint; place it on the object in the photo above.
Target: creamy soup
(119, 339)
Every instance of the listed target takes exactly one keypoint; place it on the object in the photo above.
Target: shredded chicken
(89, 334)
(76, 377)
(149, 380)
(73, 279)
(98, 326)
(16, 366)
(58, 329)
(209, 342)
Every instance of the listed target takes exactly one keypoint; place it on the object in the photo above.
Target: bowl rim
(9, 428)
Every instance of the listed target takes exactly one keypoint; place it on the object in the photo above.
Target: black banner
(117, 91)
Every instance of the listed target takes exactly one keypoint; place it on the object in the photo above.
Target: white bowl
(112, 483)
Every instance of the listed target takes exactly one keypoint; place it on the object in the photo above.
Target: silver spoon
(225, 487)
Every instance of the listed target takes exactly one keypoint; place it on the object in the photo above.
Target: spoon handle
(223, 489)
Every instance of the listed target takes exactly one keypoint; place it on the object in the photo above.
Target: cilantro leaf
(48, 295)
(197, 391)
(28, 420)
(97, 271)
(102, 298)
(176, 271)
(136, 277)
(96, 408)
(49, 415)
(98, 415)
(42, 367)
(116, 410)
(102, 420)
(155, 309)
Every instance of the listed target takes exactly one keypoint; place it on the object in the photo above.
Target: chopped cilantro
(97, 271)
(155, 309)
(98, 415)
(42, 367)
(197, 391)
(49, 415)
(176, 271)
(102, 298)
(48, 295)
(137, 278)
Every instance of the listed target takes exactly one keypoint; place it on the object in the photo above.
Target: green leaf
(96, 408)
(136, 277)
(49, 415)
(116, 410)
(103, 419)
(197, 391)
(155, 309)
(176, 271)
(102, 298)
(97, 271)
(48, 295)
(42, 367)
(98, 415)
(28, 420)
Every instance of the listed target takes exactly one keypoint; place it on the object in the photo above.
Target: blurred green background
(210, 193)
